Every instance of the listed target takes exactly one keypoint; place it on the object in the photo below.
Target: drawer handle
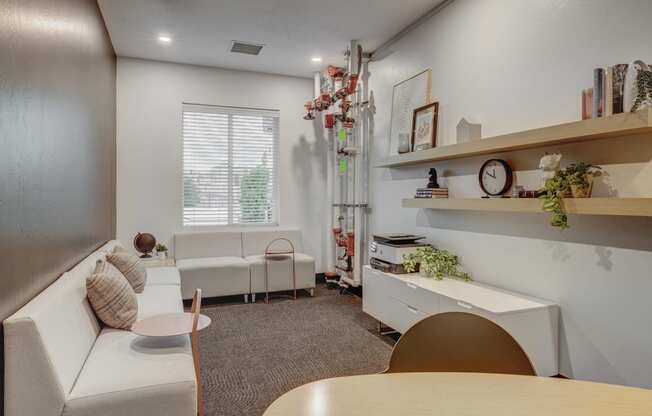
(464, 305)
(413, 310)
(411, 286)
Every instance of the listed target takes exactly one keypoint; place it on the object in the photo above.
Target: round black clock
(495, 177)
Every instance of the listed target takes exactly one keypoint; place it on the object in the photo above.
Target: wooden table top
(169, 325)
(463, 394)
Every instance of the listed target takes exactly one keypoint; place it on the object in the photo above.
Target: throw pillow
(131, 267)
(111, 296)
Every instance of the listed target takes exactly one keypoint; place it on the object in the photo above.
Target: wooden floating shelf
(618, 125)
(634, 207)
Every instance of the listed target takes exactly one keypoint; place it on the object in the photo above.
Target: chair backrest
(195, 310)
(458, 342)
(207, 244)
(255, 242)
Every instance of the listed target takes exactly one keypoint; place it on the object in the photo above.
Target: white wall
(149, 147)
(513, 65)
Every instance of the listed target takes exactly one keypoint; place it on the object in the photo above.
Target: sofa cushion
(280, 273)
(156, 300)
(159, 276)
(255, 242)
(129, 375)
(207, 244)
(216, 276)
(111, 296)
(130, 266)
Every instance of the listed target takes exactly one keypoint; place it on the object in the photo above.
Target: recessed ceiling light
(316, 59)
(164, 39)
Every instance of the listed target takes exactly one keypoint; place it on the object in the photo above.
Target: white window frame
(218, 109)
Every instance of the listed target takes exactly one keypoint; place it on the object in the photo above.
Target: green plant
(555, 188)
(552, 194)
(644, 87)
(581, 173)
(434, 263)
(161, 247)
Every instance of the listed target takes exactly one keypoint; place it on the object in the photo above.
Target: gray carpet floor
(253, 353)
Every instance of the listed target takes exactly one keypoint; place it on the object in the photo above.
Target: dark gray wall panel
(57, 142)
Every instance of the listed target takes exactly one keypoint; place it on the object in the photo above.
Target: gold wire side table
(279, 255)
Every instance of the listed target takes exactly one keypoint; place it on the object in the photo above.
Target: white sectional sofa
(59, 360)
(212, 261)
(232, 263)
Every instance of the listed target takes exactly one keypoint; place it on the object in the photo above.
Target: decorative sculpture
(549, 165)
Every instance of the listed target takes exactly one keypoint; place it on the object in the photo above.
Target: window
(229, 165)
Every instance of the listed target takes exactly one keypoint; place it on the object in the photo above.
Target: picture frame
(407, 95)
(424, 126)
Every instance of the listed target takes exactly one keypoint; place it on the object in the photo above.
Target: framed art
(424, 126)
(406, 96)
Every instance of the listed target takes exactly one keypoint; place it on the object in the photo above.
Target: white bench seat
(129, 375)
(216, 276)
(157, 276)
(280, 273)
(59, 360)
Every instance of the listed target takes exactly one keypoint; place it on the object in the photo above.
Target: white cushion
(128, 375)
(280, 273)
(216, 276)
(207, 244)
(156, 300)
(160, 276)
(255, 242)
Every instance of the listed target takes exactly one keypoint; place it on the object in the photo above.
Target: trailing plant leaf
(553, 192)
(644, 87)
(434, 263)
(556, 187)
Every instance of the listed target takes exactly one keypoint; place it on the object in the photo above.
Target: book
(608, 91)
(598, 92)
(431, 193)
(618, 87)
(587, 103)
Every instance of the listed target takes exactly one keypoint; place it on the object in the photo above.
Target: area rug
(253, 353)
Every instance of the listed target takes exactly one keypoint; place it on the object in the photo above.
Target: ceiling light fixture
(316, 59)
(164, 39)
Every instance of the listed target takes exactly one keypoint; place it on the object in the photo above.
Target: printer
(386, 251)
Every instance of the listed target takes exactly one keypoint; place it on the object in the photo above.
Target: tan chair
(194, 338)
(458, 342)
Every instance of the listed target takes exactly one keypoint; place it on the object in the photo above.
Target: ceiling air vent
(246, 48)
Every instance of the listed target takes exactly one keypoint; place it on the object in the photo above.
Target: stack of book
(432, 193)
(606, 96)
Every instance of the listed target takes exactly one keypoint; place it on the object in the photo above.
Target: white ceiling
(293, 31)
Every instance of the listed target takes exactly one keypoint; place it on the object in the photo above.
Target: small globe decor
(144, 243)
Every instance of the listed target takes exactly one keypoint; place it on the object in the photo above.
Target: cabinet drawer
(403, 316)
(409, 293)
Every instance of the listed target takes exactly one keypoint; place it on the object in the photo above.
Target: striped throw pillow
(131, 267)
(111, 296)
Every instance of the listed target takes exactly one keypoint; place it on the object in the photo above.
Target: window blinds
(229, 165)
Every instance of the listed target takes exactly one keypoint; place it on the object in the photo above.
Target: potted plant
(161, 250)
(580, 178)
(575, 181)
(434, 263)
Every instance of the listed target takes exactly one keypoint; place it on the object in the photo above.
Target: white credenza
(400, 301)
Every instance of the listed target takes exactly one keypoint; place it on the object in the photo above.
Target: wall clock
(495, 177)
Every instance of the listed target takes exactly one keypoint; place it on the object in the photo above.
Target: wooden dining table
(463, 394)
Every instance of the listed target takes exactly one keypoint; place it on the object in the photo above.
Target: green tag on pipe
(343, 165)
(342, 135)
